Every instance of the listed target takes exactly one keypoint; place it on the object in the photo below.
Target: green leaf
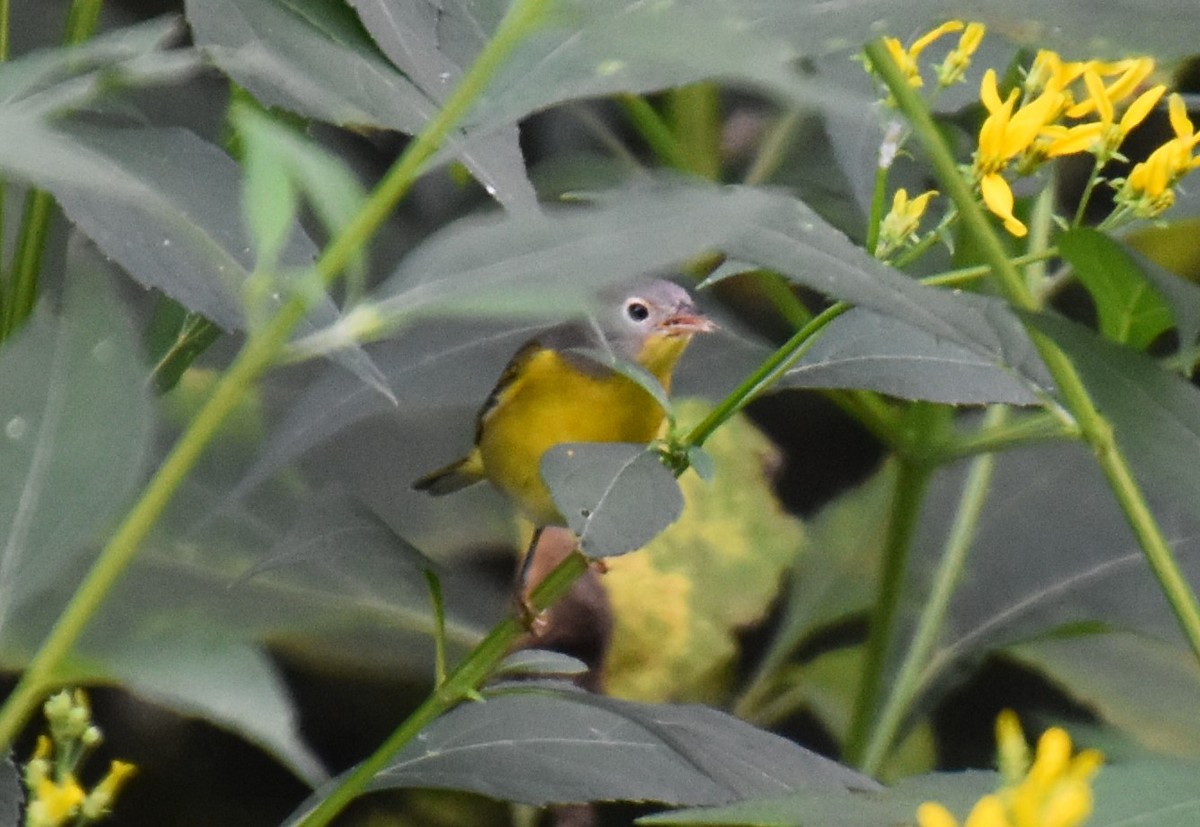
(544, 745)
(895, 805)
(1110, 673)
(539, 663)
(1147, 791)
(281, 52)
(1183, 296)
(517, 264)
(1155, 414)
(75, 428)
(616, 497)
(1130, 310)
(865, 350)
(12, 794)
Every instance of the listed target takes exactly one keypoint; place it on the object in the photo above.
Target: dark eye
(637, 310)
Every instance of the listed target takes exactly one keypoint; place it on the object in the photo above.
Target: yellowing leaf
(680, 601)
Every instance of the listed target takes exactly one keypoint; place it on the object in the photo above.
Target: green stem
(908, 680)
(463, 683)
(773, 147)
(1037, 427)
(1086, 195)
(912, 479)
(878, 208)
(82, 20)
(259, 352)
(764, 376)
(694, 113)
(654, 131)
(1095, 429)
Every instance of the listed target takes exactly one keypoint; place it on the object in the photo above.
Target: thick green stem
(695, 115)
(912, 480)
(1094, 428)
(462, 683)
(933, 613)
(260, 351)
(654, 131)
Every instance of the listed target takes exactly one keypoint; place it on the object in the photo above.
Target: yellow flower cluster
(55, 795)
(1054, 791)
(1061, 108)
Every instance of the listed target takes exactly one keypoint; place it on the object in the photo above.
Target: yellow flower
(1148, 191)
(99, 801)
(954, 67)
(901, 222)
(1005, 135)
(1129, 73)
(54, 802)
(1055, 791)
(1104, 136)
(1049, 70)
(906, 59)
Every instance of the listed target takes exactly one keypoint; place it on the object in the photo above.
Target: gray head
(631, 314)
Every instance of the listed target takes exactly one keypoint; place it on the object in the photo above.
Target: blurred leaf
(77, 425)
(282, 50)
(833, 580)
(680, 602)
(1155, 414)
(235, 687)
(1147, 791)
(896, 805)
(1130, 310)
(539, 663)
(616, 496)
(516, 264)
(1051, 552)
(1110, 673)
(1182, 296)
(557, 745)
(12, 794)
(864, 350)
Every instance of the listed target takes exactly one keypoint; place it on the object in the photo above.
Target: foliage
(321, 332)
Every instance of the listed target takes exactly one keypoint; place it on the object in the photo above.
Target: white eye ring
(637, 310)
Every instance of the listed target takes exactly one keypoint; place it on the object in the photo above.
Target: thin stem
(27, 260)
(1086, 195)
(773, 147)
(907, 683)
(1095, 429)
(912, 480)
(1037, 427)
(260, 351)
(878, 206)
(764, 376)
(654, 130)
(463, 683)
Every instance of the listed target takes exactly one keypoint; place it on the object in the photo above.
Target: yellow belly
(552, 402)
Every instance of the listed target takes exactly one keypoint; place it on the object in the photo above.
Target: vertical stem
(912, 479)
(695, 115)
(933, 613)
(654, 131)
(1095, 429)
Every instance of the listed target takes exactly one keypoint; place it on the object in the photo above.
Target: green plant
(1037, 500)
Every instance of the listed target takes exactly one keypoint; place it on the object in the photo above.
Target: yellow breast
(551, 401)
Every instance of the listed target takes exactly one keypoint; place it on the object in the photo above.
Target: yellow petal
(924, 40)
(1079, 138)
(988, 812)
(1180, 121)
(1136, 71)
(933, 814)
(1029, 120)
(999, 199)
(989, 95)
(1140, 108)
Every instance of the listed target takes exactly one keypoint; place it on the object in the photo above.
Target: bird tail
(453, 477)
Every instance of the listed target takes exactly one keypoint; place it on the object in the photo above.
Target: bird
(559, 388)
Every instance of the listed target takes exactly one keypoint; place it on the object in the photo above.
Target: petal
(1098, 95)
(988, 812)
(1136, 71)
(1140, 108)
(988, 93)
(1076, 139)
(999, 199)
(933, 814)
(1030, 120)
(924, 40)
(1180, 121)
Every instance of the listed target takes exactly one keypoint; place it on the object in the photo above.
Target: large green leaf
(557, 260)
(553, 744)
(76, 428)
(282, 50)
(1110, 673)
(895, 805)
(1130, 310)
(616, 496)
(1155, 414)
(864, 350)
